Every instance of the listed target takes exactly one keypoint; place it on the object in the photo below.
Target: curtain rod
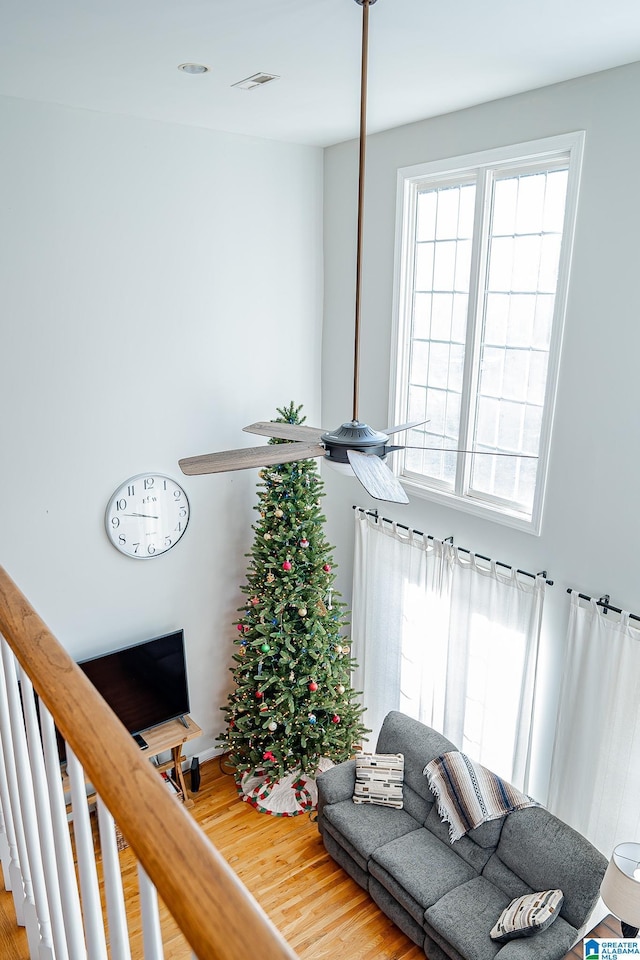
(604, 603)
(419, 533)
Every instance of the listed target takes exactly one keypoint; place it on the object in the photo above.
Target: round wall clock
(147, 515)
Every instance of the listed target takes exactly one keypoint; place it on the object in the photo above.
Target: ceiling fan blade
(478, 453)
(376, 477)
(248, 457)
(404, 426)
(284, 431)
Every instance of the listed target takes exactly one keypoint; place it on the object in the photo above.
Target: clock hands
(147, 516)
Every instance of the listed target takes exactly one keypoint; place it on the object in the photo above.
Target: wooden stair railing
(215, 912)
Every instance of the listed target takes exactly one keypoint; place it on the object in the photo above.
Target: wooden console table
(171, 736)
(166, 737)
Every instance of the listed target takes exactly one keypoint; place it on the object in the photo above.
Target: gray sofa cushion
(418, 869)
(337, 785)
(543, 852)
(340, 855)
(362, 828)
(476, 847)
(464, 917)
(420, 744)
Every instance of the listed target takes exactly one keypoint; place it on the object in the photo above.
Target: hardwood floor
(315, 905)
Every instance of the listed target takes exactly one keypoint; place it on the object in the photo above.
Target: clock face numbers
(147, 515)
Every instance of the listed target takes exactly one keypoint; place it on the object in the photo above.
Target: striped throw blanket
(468, 794)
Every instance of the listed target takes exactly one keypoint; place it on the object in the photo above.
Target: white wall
(591, 530)
(161, 287)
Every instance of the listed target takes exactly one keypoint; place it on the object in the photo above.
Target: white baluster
(39, 934)
(117, 917)
(74, 930)
(20, 875)
(5, 855)
(152, 935)
(43, 814)
(11, 867)
(89, 889)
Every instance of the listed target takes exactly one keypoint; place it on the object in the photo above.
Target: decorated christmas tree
(293, 708)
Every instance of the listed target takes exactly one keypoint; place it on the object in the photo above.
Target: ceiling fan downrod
(365, 4)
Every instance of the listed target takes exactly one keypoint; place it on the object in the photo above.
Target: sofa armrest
(336, 784)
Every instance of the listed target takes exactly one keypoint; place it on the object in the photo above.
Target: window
(483, 253)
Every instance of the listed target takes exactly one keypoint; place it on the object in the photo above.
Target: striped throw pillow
(526, 915)
(379, 778)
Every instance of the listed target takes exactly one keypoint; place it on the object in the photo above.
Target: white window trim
(407, 188)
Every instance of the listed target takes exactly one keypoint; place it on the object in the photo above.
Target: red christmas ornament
(286, 565)
(267, 755)
(313, 686)
(240, 628)
(259, 694)
(255, 601)
(335, 718)
(327, 567)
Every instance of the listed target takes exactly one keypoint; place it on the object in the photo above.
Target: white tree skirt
(296, 793)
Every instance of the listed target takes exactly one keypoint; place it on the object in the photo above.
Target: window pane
(522, 311)
(526, 263)
(442, 316)
(467, 203)
(459, 322)
(522, 276)
(419, 361)
(444, 267)
(492, 372)
(463, 265)
(530, 204)
(501, 264)
(497, 318)
(421, 315)
(417, 403)
(447, 218)
(555, 199)
(504, 208)
(439, 325)
(426, 223)
(507, 309)
(424, 266)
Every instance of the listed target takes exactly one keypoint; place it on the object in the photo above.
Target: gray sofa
(446, 897)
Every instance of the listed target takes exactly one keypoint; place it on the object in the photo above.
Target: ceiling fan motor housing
(354, 435)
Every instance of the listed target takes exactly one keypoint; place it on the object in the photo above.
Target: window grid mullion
(475, 323)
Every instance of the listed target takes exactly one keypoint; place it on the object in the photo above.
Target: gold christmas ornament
(279, 513)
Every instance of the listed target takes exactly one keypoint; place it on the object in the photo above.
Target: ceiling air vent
(257, 80)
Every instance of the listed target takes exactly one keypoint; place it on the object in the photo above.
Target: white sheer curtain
(398, 576)
(595, 770)
(447, 640)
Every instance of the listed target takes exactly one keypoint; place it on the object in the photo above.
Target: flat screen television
(144, 684)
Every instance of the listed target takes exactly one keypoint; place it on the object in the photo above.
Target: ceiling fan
(354, 443)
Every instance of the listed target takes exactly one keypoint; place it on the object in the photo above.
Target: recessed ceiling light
(194, 68)
(257, 80)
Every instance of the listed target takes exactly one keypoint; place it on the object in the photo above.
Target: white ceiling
(426, 57)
